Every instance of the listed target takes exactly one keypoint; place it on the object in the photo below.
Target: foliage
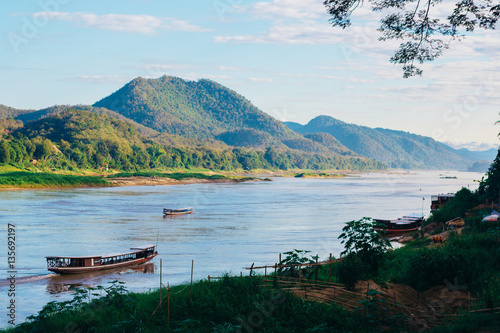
(362, 238)
(294, 259)
(227, 305)
(79, 139)
(468, 261)
(350, 270)
(30, 179)
(396, 148)
(424, 37)
(457, 206)
(489, 188)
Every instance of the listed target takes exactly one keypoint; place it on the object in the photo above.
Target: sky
(282, 55)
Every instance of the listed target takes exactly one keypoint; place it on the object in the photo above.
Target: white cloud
(257, 79)
(296, 9)
(103, 79)
(142, 24)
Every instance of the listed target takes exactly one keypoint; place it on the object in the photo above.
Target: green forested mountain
(203, 110)
(396, 148)
(82, 139)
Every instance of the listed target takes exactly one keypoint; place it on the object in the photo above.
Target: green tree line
(79, 139)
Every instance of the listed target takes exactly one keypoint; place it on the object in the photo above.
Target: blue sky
(280, 54)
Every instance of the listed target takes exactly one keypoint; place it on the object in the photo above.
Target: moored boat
(83, 264)
(181, 211)
(406, 223)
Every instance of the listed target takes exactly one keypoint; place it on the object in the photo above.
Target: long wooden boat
(181, 211)
(406, 223)
(83, 264)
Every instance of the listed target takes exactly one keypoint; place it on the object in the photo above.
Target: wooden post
(280, 258)
(168, 304)
(317, 268)
(209, 278)
(161, 281)
(251, 269)
(330, 269)
(265, 271)
(300, 276)
(469, 303)
(191, 291)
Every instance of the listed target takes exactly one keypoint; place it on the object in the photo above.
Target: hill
(81, 139)
(203, 110)
(396, 148)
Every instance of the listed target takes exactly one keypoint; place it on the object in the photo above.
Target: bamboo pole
(317, 268)
(330, 269)
(168, 304)
(191, 291)
(161, 281)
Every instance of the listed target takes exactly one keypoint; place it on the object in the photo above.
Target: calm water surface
(234, 225)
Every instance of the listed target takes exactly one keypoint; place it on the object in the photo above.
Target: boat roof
(107, 255)
(444, 195)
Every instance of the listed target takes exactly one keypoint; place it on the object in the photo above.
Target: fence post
(469, 304)
(191, 291)
(209, 278)
(330, 269)
(168, 304)
(317, 268)
(161, 281)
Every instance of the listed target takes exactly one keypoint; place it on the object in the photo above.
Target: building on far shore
(439, 200)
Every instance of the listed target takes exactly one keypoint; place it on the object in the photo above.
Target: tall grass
(33, 180)
(175, 175)
(227, 305)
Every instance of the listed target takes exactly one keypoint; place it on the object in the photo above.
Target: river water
(233, 226)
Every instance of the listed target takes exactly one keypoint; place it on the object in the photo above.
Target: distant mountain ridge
(398, 149)
(198, 117)
(180, 113)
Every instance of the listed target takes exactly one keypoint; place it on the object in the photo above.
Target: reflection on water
(57, 284)
(233, 226)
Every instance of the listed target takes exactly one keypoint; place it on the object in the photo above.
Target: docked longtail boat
(406, 223)
(83, 264)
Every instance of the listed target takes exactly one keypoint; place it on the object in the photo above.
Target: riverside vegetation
(82, 142)
(467, 261)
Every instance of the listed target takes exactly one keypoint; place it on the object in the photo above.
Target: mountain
(484, 155)
(398, 149)
(203, 110)
(86, 139)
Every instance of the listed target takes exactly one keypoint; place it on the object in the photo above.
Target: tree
(425, 35)
(4, 152)
(363, 239)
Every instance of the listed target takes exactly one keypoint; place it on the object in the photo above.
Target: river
(233, 226)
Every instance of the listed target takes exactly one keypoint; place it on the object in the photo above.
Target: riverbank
(15, 180)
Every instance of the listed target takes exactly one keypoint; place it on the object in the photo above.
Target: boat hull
(86, 269)
(165, 212)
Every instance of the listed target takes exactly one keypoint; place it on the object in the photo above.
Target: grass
(173, 175)
(23, 179)
(226, 305)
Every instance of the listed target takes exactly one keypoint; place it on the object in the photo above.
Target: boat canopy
(107, 255)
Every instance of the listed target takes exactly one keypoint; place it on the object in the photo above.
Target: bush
(350, 270)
